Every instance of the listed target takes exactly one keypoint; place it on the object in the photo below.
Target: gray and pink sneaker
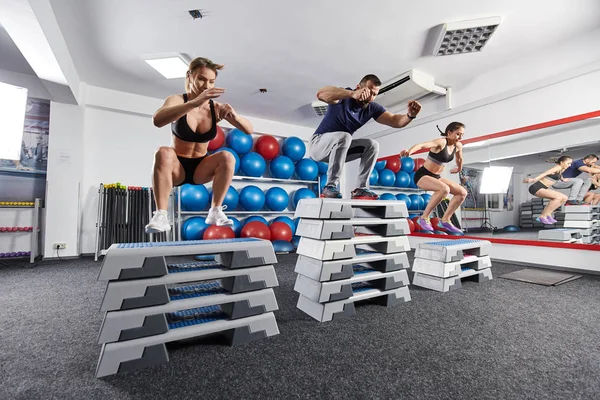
(448, 227)
(425, 224)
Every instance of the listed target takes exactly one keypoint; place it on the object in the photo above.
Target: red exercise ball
(419, 163)
(256, 229)
(215, 232)
(218, 141)
(411, 225)
(393, 164)
(415, 221)
(434, 223)
(281, 231)
(267, 146)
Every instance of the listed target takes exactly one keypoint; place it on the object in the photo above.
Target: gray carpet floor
(496, 340)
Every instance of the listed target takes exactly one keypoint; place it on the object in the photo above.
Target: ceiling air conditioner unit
(319, 107)
(411, 85)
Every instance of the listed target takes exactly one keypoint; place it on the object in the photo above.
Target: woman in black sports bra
(193, 117)
(541, 188)
(441, 152)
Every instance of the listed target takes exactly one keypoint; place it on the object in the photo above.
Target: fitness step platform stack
(442, 265)
(561, 235)
(586, 218)
(149, 302)
(350, 251)
(526, 212)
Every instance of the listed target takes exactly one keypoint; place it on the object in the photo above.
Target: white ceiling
(294, 49)
(12, 59)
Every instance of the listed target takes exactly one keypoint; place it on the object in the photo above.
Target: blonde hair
(201, 62)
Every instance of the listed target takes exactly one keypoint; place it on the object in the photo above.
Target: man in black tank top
(193, 117)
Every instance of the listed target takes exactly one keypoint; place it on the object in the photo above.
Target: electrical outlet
(58, 246)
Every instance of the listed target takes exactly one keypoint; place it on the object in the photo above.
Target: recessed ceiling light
(170, 66)
(465, 36)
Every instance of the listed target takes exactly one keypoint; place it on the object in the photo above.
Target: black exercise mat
(541, 277)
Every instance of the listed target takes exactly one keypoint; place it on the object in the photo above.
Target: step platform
(323, 292)
(559, 235)
(581, 209)
(147, 321)
(347, 209)
(145, 260)
(130, 294)
(347, 248)
(581, 224)
(448, 269)
(345, 229)
(591, 216)
(324, 312)
(453, 250)
(139, 353)
(323, 271)
(451, 283)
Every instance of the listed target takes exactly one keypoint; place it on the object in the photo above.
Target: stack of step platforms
(149, 302)
(561, 235)
(442, 265)
(350, 251)
(587, 219)
(526, 211)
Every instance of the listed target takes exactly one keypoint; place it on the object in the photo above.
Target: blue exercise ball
(374, 178)
(255, 218)
(307, 169)
(403, 197)
(232, 198)
(253, 164)
(380, 165)
(412, 180)
(235, 155)
(193, 228)
(511, 228)
(281, 246)
(296, 241)
(322, 182)
(387, 196)
(286, 220)
(412, 215)
(240, 142)
(281, 167)
(252, 198)
(276, 199)
(294, 148)
(416, 202)
(407, 164)
(237, 226)
(426, 198)
(323, 167)
(303, 193)
(194, 197)
(387, 177)
(402, 179)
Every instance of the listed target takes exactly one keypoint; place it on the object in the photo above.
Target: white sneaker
(217, 216)
(158, 223)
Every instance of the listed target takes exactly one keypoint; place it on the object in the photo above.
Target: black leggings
(189, 167)
(533, 189)
(421, 172)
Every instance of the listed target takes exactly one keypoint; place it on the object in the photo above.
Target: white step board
(145, 260)
(581, 209)
(123, 295)
(346, 248)
(454, 268)
(582, 216)
(344, 229)
(134, 354)
(451, 283)
(561, 234)
(323, 292)
(347, 208)
(142, 322)
(345, 308)
(581, 224)
(322, 271)
(452, 250)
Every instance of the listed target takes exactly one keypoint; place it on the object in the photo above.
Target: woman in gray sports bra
(428, 177)
(541, 188)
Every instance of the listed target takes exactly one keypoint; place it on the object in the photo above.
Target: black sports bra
(555, 176)
(181, 129)
(443, 156)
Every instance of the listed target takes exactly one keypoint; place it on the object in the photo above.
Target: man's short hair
(590, 156)
(372, 78)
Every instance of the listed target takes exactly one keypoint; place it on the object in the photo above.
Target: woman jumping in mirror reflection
(441, 152)
(541, 185)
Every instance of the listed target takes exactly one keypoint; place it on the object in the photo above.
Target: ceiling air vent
(465, 36)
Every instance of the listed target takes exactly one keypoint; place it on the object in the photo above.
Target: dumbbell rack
(33, 230)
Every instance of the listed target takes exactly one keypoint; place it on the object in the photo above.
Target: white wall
(32, 83)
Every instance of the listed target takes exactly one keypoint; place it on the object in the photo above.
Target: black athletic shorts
(536, 186)
(189, 166)
(421, 172)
